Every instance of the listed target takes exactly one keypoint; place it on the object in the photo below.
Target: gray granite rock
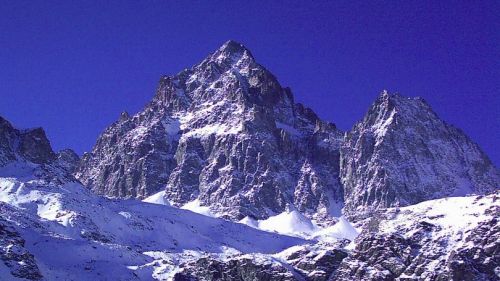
(224, 132)
(28, 152)
(401, 153)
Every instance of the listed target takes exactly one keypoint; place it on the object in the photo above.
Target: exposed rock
(439, 240)
(401, 154)
(315, 262)
(224, 132)
(14, 255)
(35, 147)
(68, 159)
(236, 269)
(28, 153)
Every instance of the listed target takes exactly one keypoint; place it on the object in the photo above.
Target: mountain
(227, 134)
(28, 153)
(53, 228)
(65, 232)
(401, 154)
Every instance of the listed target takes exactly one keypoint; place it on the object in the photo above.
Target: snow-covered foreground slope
(76, 235)
(456, 238)
(64, 232)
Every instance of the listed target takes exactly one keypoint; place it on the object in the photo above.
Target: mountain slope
(51, 227)
(401, 154)
(227, 134)
(65, 232)
(456, 238)
(96, 234)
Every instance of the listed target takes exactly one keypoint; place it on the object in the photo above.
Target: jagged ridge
(224, 132)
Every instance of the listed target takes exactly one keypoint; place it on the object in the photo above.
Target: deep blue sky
(73, 67)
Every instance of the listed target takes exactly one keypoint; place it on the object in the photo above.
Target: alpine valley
(223, 176)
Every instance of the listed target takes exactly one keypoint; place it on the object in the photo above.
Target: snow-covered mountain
(456, 238)
(401, 196)
(401, 154)
(53, 228)
(227, 134)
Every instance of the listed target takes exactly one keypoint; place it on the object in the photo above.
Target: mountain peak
(232, 46)
(231, 51)
(410, 105)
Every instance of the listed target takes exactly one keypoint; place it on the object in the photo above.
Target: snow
(216, 128)
(196, 124)
(113, 239)
(295, 224)
(157, 198)
(343, 229)
(137, 134)
(172, 127)
(195, 206)
(454, 216)
(380, 128)
(291, 223)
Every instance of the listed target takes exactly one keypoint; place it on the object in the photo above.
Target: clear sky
(72, 67)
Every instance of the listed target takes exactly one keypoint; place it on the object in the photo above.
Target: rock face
(315, 262)
(31, 145)
(227, 134)
(401, 153)
(237, 269)
(19, 261)
(29, 152)
(224, 132)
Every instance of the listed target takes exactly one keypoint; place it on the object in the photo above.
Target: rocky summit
(401, 154)
(225, 134)
(28, 152)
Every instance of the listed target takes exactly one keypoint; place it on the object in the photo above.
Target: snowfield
(454, 217)
(76, 235)
(291, 223)
(73, 234)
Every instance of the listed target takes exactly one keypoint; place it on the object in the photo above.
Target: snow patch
(293, 223)
(157, 198)
(380, 128)
(195, 206)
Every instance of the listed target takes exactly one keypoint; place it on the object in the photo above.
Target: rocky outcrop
(226, 133)
(401, 153)
(237, 269)
(310, 262)
(19, 261)
(315, 262)
(28, 152)
(447, 239)
(31, 145)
